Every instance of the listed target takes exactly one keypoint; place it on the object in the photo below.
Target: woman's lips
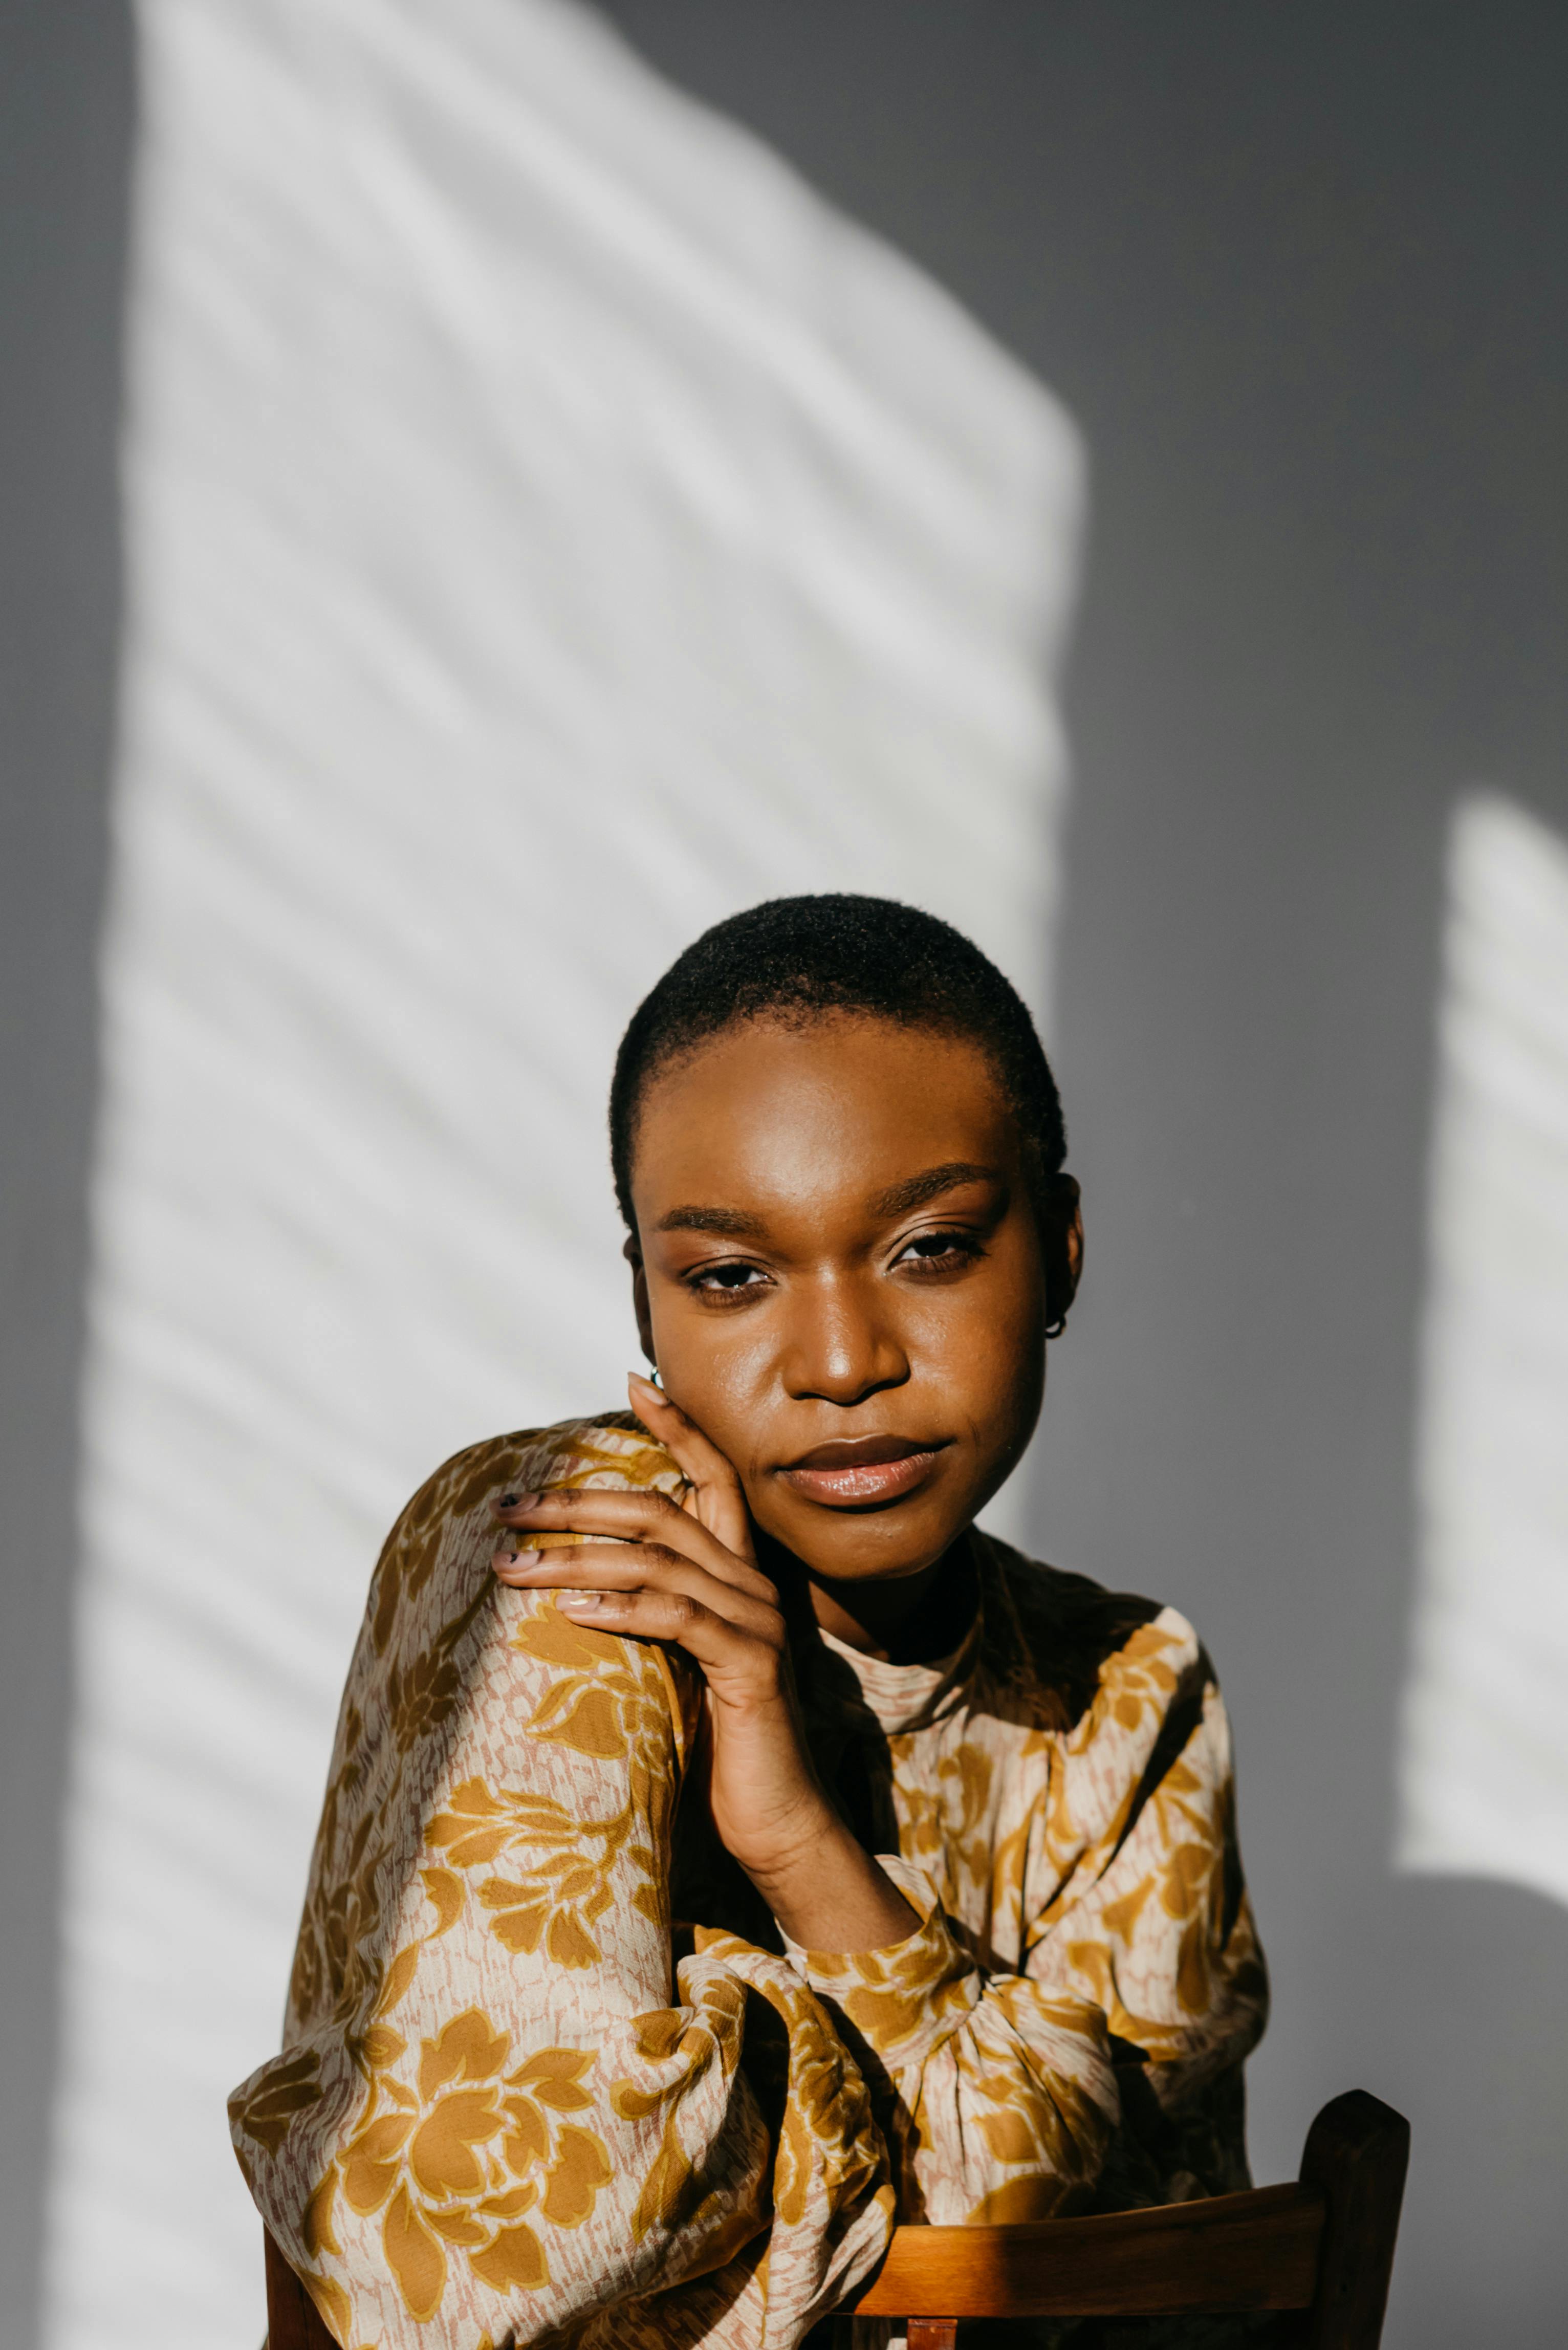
(855, 1470)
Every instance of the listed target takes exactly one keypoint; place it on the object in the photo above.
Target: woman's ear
(633, 1256)
(1064, 1246)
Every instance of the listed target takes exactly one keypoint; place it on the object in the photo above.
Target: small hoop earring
(658, 1382)
(1055, 1329)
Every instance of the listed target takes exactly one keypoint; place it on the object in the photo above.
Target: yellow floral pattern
(503, 2112)
(458, 2159)
(1066, 2029)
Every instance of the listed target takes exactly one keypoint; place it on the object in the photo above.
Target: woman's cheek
(718, 1376)
(995, 1365)
(979, 1339)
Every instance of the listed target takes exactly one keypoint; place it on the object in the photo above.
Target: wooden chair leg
(933, 2334)
(1356, 2153)
(293, 2321)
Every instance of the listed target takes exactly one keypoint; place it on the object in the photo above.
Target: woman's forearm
(828, 1894)
(687, 1574)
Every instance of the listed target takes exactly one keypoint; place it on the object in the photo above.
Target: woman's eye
(727, 1280)
(934, 1252)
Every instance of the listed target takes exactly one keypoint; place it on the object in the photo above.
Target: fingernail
(519, 1501)
(582, 1603)
(508, 1500)
(516, 1561)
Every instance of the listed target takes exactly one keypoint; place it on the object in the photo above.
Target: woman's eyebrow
(917, 1189)
(728, 1220)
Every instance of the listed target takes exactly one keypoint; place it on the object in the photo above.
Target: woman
(729, 1849)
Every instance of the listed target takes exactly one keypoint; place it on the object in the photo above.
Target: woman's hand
(686, 1571)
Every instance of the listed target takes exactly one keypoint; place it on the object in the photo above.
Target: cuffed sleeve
(903, 2001)
(999, 2096)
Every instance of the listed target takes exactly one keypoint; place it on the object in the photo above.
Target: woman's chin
(844, 1545)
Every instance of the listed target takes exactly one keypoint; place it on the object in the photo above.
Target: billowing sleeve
(1005, 2091)
(498, 2111)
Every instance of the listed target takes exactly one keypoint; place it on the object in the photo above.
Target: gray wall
(66, 113)
(1303, 276)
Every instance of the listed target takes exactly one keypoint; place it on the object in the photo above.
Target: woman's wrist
(828, 1893)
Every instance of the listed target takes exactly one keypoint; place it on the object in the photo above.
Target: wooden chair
(1322, 2248)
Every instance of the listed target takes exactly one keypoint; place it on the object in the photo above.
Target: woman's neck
(909, 1619)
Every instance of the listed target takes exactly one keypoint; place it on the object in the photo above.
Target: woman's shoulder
(443, 1535)
(1085, 1652)
(608, 1450)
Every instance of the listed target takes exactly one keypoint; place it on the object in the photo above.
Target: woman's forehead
(844, 1105)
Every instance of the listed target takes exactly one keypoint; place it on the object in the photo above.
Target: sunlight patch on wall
(549, 528)
(1484, 1769)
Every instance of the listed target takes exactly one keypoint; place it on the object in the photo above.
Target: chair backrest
(292, 2319)
(1322, 2247)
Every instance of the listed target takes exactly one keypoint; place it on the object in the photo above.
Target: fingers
(630, 1518)
(718, 1497)
(695, 1453)
(643, 1592)
(619, 1570)
(736, 1661)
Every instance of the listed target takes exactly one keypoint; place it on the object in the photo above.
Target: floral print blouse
(550, 2074)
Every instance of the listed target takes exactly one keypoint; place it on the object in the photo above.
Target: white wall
(1484, 1765)
(549, 527)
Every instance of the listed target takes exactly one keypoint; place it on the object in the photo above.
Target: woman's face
(843, 1279)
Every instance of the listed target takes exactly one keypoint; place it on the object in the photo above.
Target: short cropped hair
(792, 959)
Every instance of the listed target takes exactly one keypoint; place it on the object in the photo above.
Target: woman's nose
(840, 1348)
